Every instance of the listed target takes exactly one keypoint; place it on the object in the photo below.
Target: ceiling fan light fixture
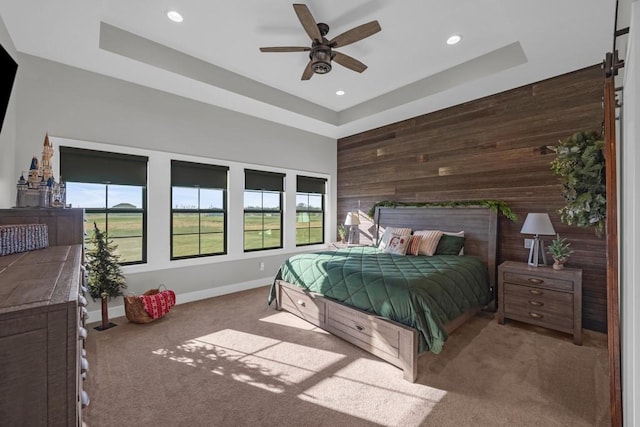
(320, 59)
(174, 16)
(454, 39)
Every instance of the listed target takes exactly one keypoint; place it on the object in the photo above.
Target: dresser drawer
(360, 326)
(541, 304)
(537, 280)
(539, 294)
(303, 305)
(536, 316)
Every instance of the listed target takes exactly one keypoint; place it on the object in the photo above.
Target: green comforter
(419, 291)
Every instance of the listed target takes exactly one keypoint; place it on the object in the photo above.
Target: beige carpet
(234, 361)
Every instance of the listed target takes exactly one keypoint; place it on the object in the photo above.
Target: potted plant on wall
(580, 163)
(106, 280)
(560, 250)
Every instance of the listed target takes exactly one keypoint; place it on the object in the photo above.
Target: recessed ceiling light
(339, 92)
(454, 39)
(174, 16)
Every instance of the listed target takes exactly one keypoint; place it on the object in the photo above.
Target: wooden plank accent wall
(490, 148)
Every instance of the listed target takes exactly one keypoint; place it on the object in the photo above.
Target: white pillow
(429, 241)
(397, 244)
(384, 239)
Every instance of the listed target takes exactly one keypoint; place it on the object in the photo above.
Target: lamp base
(536, 252)
(354, 236)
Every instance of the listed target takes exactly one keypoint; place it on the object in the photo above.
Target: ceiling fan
(321, 52)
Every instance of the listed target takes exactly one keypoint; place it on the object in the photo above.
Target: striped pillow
(429, 241)
(414, 245)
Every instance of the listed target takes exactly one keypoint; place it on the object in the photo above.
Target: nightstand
(340, 245)
(541, 296)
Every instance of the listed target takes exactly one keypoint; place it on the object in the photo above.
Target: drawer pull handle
(536, 281)
(301, 303)
(360, 328)
(84, 399)
(84, 365)
(536, 303)
(535, 315)
(535, 292)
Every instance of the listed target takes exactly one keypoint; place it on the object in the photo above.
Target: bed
(395, 306)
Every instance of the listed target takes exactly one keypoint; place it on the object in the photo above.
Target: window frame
(263, 182)
(196, 177)
(86, 166)
(311, 186)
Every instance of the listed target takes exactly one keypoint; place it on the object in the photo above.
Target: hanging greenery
(580, 164)
(494, 205)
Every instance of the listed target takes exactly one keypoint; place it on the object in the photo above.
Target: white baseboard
(118, 310)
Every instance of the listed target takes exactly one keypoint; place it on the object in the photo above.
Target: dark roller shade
(307, 184)
(189, 174)
(261, 180)
(81, 165)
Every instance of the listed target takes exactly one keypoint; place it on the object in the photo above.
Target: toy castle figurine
(40, 189)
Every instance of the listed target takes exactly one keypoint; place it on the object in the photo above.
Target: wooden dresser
(42, 314)
(541, 296)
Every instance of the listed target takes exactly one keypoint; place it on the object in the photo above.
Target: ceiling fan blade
(349, 62)
(307, 21)
(355, 34)
(308, 72)
(285, 49)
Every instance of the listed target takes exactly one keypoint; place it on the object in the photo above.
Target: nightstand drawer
(539, 294)
(537, 280)
(538, 317)
(543, 304)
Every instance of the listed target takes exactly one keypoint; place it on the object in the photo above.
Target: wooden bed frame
(391, 341)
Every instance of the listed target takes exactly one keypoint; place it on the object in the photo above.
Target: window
(198, 209)
(262, 210)
(112, 189)
(309, 210)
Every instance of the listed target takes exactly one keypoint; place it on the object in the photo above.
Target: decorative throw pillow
(458, 234)
(397, 244)
(414, 245)
(429, 241)
(384, 239)
(450, 245)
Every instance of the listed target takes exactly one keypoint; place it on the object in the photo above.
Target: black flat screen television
(8, 69)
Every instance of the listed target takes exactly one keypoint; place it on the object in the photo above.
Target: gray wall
(81, 108)
(630, 228)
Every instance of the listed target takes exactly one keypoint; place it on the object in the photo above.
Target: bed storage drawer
(362, 327)
(303, 304)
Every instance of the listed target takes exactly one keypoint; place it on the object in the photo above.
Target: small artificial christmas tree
(106, 280)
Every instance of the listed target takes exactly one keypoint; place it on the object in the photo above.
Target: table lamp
(351, 221)
(537, 224)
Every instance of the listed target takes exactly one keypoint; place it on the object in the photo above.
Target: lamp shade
(538, 223)
(352, 219)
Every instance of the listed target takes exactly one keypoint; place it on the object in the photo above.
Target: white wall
(7, 135)
(89, 110)
(630, 228)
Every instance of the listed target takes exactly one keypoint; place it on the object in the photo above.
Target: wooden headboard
(480, 227)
